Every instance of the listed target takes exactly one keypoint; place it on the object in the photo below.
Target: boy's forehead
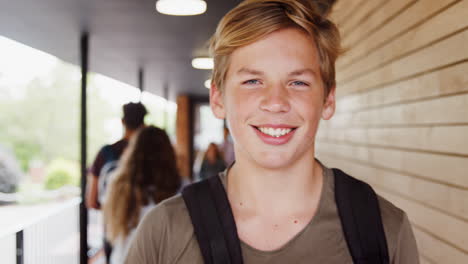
(291, 48)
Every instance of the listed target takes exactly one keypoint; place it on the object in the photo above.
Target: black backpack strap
(213, 222)
(361, 220)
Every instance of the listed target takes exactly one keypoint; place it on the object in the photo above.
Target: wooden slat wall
(402, 114)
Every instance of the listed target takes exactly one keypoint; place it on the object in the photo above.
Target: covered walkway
(402, 117)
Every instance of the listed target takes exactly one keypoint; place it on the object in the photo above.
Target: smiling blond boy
(273, 81)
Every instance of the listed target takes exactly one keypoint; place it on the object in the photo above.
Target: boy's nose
(275, 100)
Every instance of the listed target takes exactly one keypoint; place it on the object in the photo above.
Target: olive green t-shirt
(166, 236)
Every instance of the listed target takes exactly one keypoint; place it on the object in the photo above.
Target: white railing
(8, 249)
(50, 232)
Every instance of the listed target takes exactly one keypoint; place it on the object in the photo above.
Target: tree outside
(40, 120)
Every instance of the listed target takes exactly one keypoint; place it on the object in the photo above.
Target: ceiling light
(208, 83)
(181, 7)
(203, 63)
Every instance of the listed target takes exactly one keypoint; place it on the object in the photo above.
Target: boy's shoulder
(391, 214)
(395, 221)
(165, 234)
(171, 215)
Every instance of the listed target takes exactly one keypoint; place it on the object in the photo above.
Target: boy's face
(273, 99)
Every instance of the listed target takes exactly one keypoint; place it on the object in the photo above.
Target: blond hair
(252, 20)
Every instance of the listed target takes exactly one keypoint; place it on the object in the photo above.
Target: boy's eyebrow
(244, 70)
(302, 71)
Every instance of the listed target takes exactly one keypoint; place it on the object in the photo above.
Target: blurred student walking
(146, 176)
(107, 160)
(213, 162)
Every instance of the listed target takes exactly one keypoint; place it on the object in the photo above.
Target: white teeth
(275, 132)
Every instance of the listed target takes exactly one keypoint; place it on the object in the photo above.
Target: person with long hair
(107, 161)
(147, 175)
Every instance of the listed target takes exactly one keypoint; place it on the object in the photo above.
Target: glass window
(40, 145)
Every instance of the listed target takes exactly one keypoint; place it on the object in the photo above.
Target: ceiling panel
(124, 35)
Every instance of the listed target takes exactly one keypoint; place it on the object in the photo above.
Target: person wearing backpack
(273, 81)
(106, 161)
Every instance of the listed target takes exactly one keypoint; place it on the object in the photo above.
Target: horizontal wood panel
(447, 170)
(421, 10)
(338, 11)
(448, 229)
(375, 20)
(445, 23)
(446, 110)
(402, 115)
(448, 140)
(447, 199)
(343, 9)
(437, 251)
(443, 53)
(444, 82)
(364, 10)
(442, 139)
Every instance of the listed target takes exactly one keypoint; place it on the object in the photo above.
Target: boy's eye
(298, 83)
(251, 82)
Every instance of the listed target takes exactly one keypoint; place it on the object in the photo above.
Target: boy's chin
(273, 162)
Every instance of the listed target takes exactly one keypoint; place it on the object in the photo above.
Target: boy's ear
(329, 105)
(216, 102)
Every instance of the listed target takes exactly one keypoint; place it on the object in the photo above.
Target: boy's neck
(275, 192)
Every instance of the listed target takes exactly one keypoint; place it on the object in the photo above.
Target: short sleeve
(406, 249)
(97, 164)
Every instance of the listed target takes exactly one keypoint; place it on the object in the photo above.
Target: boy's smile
(275, 134)
(273, 99)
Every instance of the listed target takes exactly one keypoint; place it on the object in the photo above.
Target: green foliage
(43, 122)
(61, 172)
(40, 120)
(26, 151)
(57, 179)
